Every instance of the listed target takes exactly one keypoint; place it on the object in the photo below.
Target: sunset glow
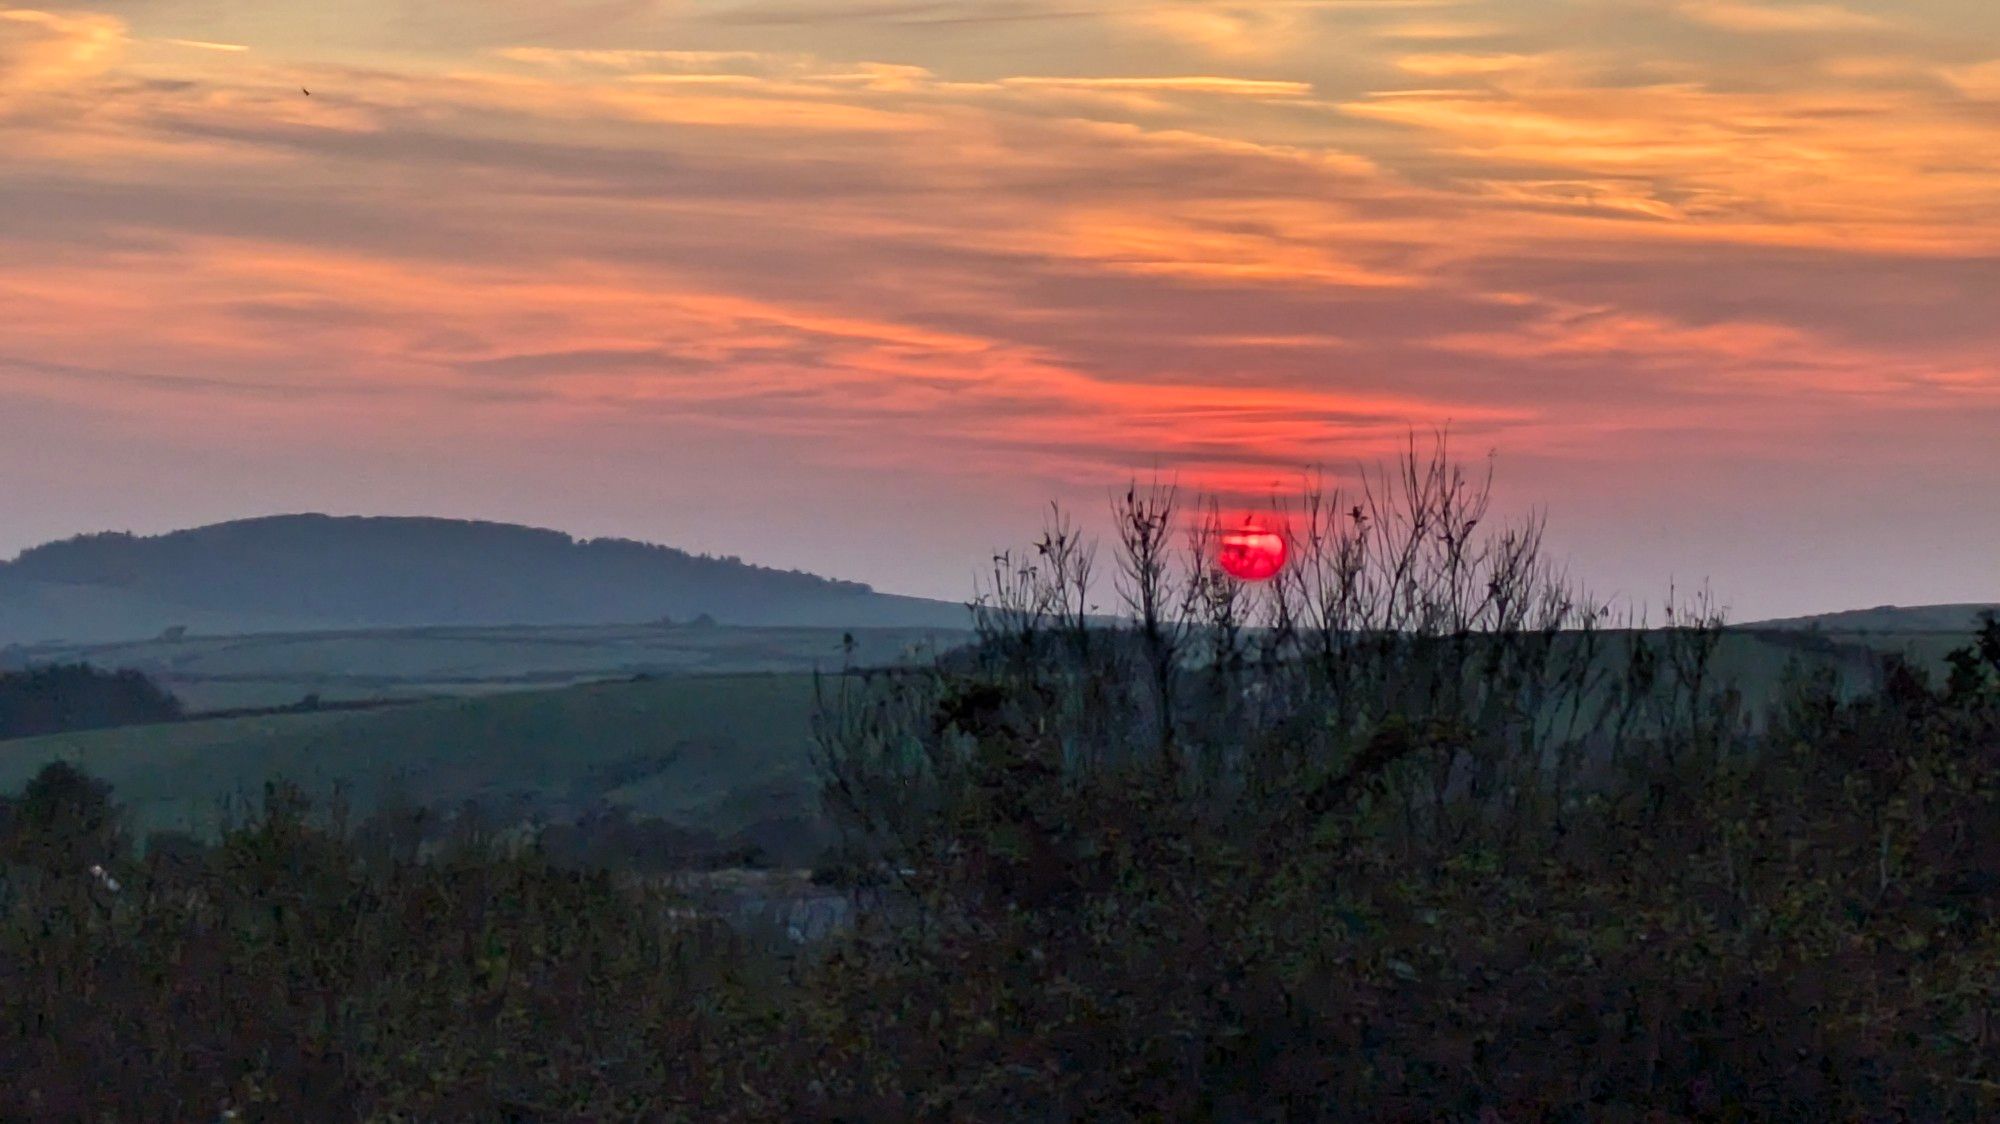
(793, 279)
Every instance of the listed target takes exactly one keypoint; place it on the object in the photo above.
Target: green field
(230, 672)
(210, 673)
(725, 754)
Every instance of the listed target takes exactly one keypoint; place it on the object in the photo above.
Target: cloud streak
(1734, 15)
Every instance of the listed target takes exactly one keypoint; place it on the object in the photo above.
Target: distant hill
(305, 572)
(1888, 618)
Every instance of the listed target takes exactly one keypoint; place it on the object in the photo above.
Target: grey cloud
(631, 360)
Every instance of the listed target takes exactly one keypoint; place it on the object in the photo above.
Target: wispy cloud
(629, 60)
(1743, 15)
(1456, 64)
(205, 45)
(1256, 88)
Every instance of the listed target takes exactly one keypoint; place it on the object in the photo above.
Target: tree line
(60, 698)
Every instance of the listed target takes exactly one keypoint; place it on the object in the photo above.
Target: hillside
(309, 572)
(728, 755)
(1962, 619)
(277, 668)
(723, 753)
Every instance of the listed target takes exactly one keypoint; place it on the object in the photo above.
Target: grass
(717, 753)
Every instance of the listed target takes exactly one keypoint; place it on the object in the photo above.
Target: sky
(860, 286)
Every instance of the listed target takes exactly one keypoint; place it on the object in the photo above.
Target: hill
(310, 572)
(1962, 619)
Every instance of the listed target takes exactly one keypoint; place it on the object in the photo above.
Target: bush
(1406, 836)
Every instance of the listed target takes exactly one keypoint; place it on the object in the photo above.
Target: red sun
(1251, 552)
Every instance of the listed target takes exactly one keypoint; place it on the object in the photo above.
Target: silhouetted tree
(63, 821)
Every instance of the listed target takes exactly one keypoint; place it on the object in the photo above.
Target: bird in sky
(305, 91)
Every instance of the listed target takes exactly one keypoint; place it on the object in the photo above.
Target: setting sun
(1251, 552)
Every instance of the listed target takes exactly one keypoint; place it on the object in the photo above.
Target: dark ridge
(383, 571)
(1955, 618)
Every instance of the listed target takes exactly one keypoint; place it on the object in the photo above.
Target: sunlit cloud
(1254, 88)
(1426, 30)
(49, 50)
(1980, 81)
(627, 60)
(1448, 65)
(1238, 32)
(204, 45)
(1813, 166)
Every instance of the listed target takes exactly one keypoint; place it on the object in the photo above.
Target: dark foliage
(60, 698)
(611, 838)
(1811, 934)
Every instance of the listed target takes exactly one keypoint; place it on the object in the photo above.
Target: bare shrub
(1407, 618)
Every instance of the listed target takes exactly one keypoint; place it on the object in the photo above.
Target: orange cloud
(1455, 64)
(206, 45)
(42, 51)
(1254, 88)
(630, 60)
(1818, 167)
